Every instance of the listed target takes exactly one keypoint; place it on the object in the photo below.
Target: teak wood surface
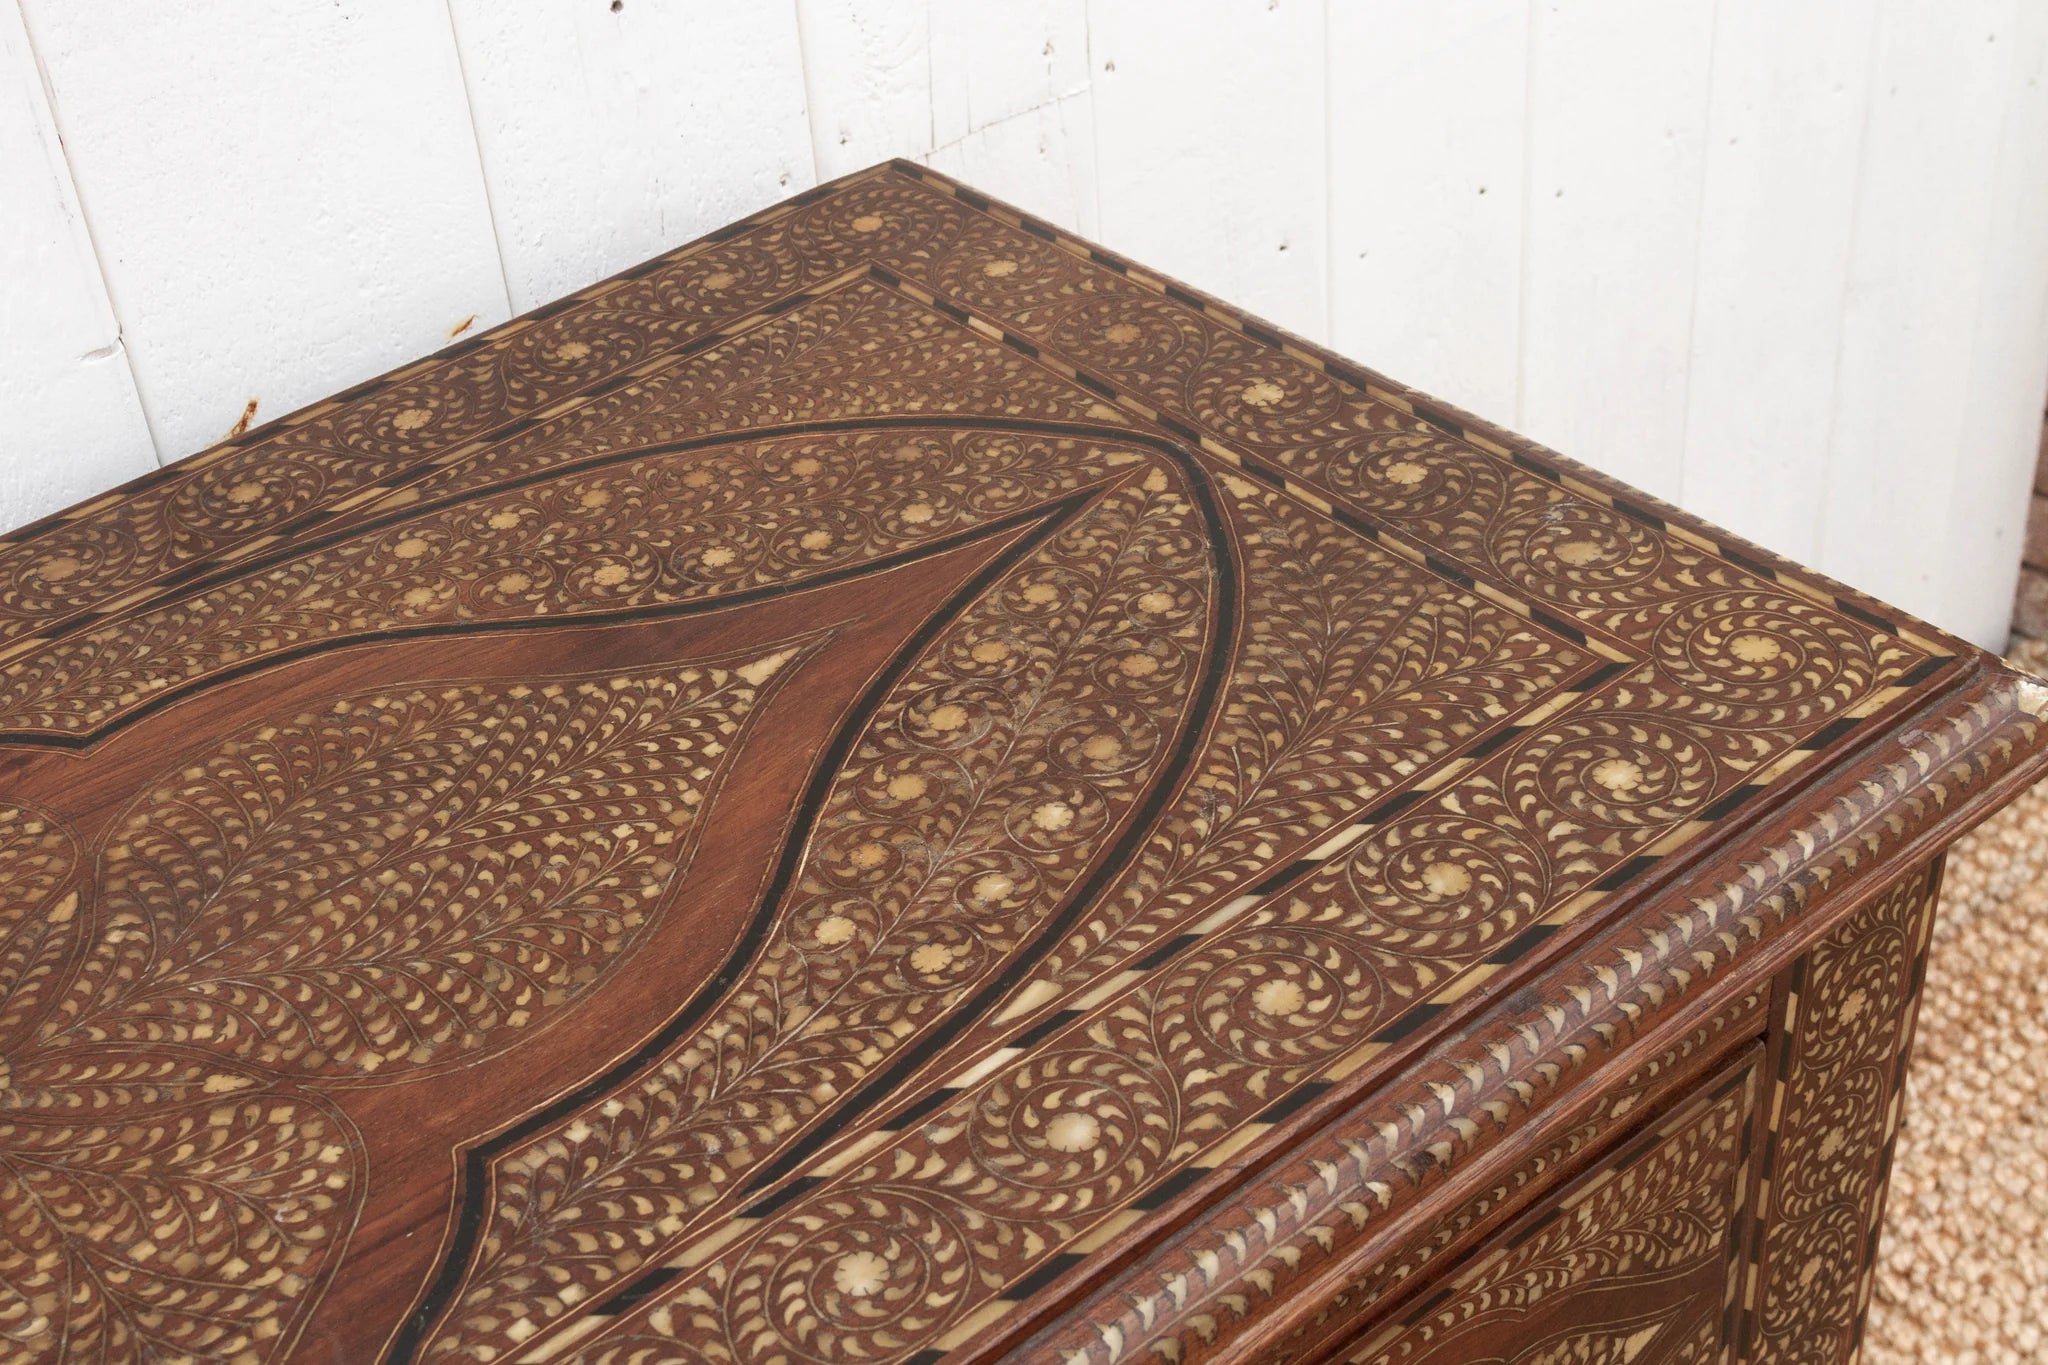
(887, 786)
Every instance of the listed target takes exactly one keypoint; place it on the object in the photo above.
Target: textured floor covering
(1963, 1273)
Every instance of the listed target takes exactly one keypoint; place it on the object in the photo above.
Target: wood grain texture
(890, 785)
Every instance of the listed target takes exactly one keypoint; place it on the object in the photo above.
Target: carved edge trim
(1205, 1292)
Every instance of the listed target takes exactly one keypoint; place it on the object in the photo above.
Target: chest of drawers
(889, 786)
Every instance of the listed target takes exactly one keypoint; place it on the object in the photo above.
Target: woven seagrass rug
(1963, 1269)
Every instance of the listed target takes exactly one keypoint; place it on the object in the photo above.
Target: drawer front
(1631, 1264)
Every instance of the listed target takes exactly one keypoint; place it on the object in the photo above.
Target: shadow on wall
(2030, 603)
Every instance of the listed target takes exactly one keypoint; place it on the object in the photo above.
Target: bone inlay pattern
(884, 773)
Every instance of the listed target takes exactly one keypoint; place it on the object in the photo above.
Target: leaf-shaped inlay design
(37, 914)
(410, 876)
(1014, 744)
(151, 1210)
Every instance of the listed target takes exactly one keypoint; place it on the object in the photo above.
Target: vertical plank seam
(1699, 229)
(1950, 593)
(1830, 464)
(1094, 116)
(1329, 254)
(92, 241)
(1534, 14)
(476, 143)
(803, 66)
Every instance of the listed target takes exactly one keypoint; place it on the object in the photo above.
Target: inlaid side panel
(1841, 1031)
(1631, 1266)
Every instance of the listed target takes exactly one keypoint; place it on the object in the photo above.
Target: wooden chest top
(884, 785)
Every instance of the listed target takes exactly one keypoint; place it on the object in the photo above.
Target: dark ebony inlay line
(1495, 740)
(1356, 524)
(1443, 568)
(1164, 953)
(1521, 945)
(1265, 334)
(1108, 262)
(1622, 874)
(1924, 670)
(1160, 1195)
(1828, 734)
(1557, 625)
(1391, 807)
(1280, 879)
(643, 1288)
(1036, 228)
(1535, 1226)
(1638, 513)
(1266, 475)
(1749, 562)
(1437, 419)
(1606, 673)
(1407, 1022)
(1180, 295)
(1049, 1270)
(764, 1207)
(1294, 1101)
(916, 1112)
(1726, 806)
(1429, 1305)
(1532, 465)
(1868, 618)
(1044, 1028)
(1094, 385)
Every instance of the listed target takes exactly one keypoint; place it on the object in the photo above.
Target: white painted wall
(1784, 264)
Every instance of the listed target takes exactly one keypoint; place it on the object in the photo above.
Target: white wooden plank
(1939, 90)
(1042, 160)
(1211, 134)
(285, 198)
(2000, 417)
(1784, 135)
(70, 421)
(1617, 109)
(868, 80)
(996, 61)
(1427, 139)
(612, 133)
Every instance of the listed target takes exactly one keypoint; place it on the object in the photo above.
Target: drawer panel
(1630, 1264)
